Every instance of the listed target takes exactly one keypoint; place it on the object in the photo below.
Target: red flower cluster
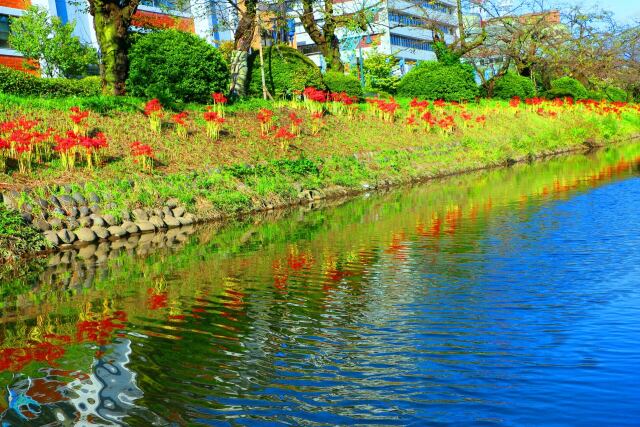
(313, 94)
(78, 116)
(139, 149)
(152, 107)
(219, 98)
(180, 118)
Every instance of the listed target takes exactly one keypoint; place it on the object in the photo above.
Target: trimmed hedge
(433, 80)
(175, 67)
(14, 82)
(511, 85)
(613, 93)
(567, 87)
(339, 82)
(286, 70)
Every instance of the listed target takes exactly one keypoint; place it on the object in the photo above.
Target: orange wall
(15, 62)
(145, 19)
(16, 4)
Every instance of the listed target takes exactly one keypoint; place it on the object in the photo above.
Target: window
(167, 5)
(4, 31)
(410, 43)
(414, 21)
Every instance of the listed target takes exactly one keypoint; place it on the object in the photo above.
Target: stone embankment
(76, 218)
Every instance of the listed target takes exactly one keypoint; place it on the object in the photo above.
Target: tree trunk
(325, 38)
(111, 21)
(243, 38)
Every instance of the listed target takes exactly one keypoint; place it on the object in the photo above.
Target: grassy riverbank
(335, 148)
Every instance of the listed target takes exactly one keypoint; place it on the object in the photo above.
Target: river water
(507, 297)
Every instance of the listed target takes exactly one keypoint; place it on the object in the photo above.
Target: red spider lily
(219, 98)
(284, 136)
(533, 101)
(466, 116)
(78, 118)
(481, 119)
(515, 102)
(439, 103)
(180, 120)
(317, 123)
(153, 110)
(92, 147)
(418, 105)
(389, 110)
(265, 117)
(295, 123)
(67, 149)
(143, 154)
(314, 98)
(214, 124)
(429, 120)
(446, 124)
(411, 121)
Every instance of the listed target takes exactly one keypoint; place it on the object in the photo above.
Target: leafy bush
(102, 104)
(16, 237)
(613, 93)
(432, 80)
(20, 83)
(567, 87)
(175, 67)
(286, 70)
(510, 85)
(340, 82)
(378, 71)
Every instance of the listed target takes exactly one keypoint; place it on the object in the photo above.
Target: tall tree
(111, 20)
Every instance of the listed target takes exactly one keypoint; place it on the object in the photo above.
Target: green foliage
(99, 104)
(46, 40)
(19, 83)
(445, 55)
(175, 67)
(378, 71)
(567, 87)
(16, 237)
(433, 80)
(613, 93)
(510, 85)
(340, 82)
(286, 70)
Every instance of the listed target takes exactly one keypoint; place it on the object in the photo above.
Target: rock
(166, 212)
(84, 211)
(67, 201)
(126, 215)
(101, 232)
(98, 220)
(184, 220)
(74, 212)
(130, 227)
(93, 198)
(59, 211)
(27, 217)
(85, 222)
(178, 212)
(117, 231)
(171, 222)
(140, 215)
(79, 198)
(171, 203)
(26, 207)
(67, 188)
(55, 202)
(109, 219)
(52, 237)
(55, 223)
(72, 224)
(42, 203)
(42, 225)
(158, 212)
(157, 222)
(85, 235)
(66, 236)
(87, 251)
(95, 209)
(145, 226)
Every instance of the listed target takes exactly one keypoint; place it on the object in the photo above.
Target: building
(397, 27)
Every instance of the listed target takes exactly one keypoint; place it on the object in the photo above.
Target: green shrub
(175, 67)
(16, 82)
(567, 87)
(613, 93)
(16, 237)
(286, 70)
(432, 80)
(510, 85)
(340, 82)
